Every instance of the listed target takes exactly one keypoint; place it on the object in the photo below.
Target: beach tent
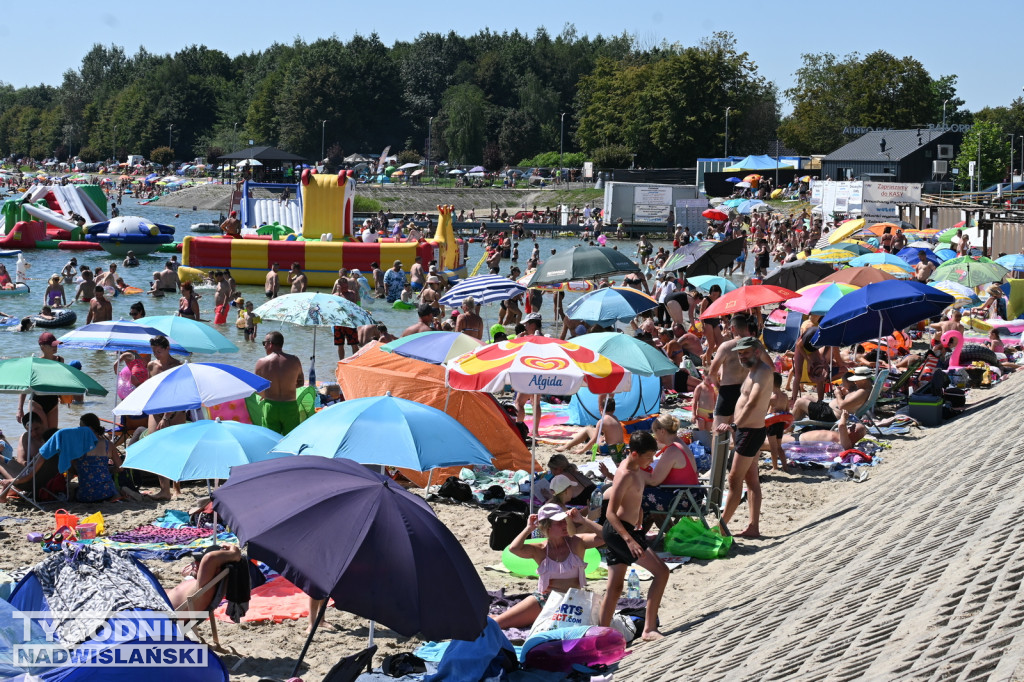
(641, 400)
(755, 162)
(372, 372)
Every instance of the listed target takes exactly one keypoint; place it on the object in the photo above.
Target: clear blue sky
(976, 42)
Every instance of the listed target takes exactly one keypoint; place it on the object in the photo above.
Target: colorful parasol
(818, 299)
(747, 297)
(829, 255)
(845, 230)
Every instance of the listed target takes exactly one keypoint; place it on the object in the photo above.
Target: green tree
(408, 156)
(995, 156)
(162, 155)
(612, 156)
(464, 108)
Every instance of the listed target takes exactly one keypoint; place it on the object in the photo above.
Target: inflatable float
(61, 318)
(9, 253)
(324, 242)
(19, 288)
(401, 305)
(559, 650)
(118, 236)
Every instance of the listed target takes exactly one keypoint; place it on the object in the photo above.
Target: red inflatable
(24, 235)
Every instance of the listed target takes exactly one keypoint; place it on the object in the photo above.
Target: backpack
(505, 527)
(456, 490)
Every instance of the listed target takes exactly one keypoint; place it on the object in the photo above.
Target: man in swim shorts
(748, 431)
(728, 373)
(284, 371)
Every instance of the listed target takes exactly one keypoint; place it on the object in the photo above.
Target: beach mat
(275, 601)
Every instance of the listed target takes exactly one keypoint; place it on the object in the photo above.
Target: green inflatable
(398, 305)
(527, 568)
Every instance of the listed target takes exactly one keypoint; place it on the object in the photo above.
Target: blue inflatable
(641, 400)
(120, 235)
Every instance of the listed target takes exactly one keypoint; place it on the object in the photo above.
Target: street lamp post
(944, 114)
(1012, 138)
(169, 127)
(430, 140)
(561, 144)
(323, 128)
(727, 109)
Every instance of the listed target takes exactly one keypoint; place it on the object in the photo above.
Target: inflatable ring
(527, 568)
(399, 305)
(779, 418)
(61, 318)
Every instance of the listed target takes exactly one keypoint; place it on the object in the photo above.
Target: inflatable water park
(314, 229)
(44, 217)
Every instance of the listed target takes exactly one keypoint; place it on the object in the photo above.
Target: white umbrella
(407, 166)
(249, 162)
(188, 387)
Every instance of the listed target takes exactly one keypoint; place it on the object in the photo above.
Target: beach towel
(275, 601)
(70, 443)
(483, 658)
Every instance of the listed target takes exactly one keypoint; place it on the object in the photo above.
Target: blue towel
(471, 660)
(70, 444)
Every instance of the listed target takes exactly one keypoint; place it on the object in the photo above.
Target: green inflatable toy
(527, 568)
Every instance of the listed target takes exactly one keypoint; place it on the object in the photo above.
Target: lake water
(298, 340)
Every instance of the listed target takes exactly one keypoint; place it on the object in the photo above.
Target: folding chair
(29, 467)
(713, 493)
(865, 410)
(218, 586)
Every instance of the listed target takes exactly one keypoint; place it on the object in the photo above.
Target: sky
(975, 42)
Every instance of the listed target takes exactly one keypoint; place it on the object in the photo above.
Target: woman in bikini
(559, 558)
(188, 304)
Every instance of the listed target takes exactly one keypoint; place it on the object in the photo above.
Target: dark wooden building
(914, 155)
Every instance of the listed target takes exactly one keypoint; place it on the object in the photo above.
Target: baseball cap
(560, 483)
(47, 339)
(747, 342)
(551, 512)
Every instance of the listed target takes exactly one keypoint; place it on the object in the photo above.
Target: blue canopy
(759, 162)
(642, 399)
(878, 310)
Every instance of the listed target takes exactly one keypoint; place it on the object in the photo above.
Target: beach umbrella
(799, 273)
(705, 282)
(910, 255)
(878, 310)
(704, 257)
(583, 262)
(733, 179)
(202, 450)
(920, 244)
(859, 248)
(407, 166)
(858, 276)
(610, 304)
(634, 355)
(828, 256)
(456, 171)
(483, 289)
(118, 336)
(971, 271)
(818, 299)
(744, 184)
(878, 229)
(389, 558)
(753, 179)
(745, 298)
(964, 296)
(436, 348)
(715, 214)
(275, 230)
(311, 309)
(844, 230)
(897, 271)
(946, 254)
(193, 336)
(749, 205)
(880, 259)
(386, 431)
(477, 169)
(189, 387)
(580, 286)
(1013, 261)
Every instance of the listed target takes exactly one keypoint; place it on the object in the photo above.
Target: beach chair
(20, 493)
(783, 340)
(865, 410)
(714, 491)
(898, 389)
(217, 585)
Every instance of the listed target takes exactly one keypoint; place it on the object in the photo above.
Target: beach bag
(573, 608)
(505, 527)
(454, 489)
(690, 538)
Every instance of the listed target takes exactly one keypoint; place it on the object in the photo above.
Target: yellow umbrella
(845, 230)
(829, 255)
(894, 270)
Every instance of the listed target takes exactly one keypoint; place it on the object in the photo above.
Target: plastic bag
(690, 538)
(562, 610)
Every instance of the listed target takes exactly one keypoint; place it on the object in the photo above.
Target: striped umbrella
(897, 271)
(880, 259)
(859, 248)
(119, 336)
(964, 296)
(436, 348)
(818, 299)
(483, 289)
(188, 387)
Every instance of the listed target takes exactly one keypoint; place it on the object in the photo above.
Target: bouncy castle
(323, 242)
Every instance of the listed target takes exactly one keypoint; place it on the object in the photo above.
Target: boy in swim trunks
(775, 422)
(626, 543)
(703, 405)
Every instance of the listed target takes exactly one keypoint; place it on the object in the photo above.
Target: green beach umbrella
(970, 271)
(45, 377)
(638, 357)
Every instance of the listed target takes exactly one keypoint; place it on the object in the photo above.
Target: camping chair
(783, 340)
(897, 390)
(218, 586)
(865, 410)
(713, 493)
(30, 466)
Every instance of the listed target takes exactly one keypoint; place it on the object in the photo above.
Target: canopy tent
(755, 162)
(641, 400)
(264, 154)
(371, 372)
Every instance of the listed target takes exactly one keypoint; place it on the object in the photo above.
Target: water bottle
(633, 585)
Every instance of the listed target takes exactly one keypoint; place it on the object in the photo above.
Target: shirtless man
(86, 289)
(953, 323)
(297, 279)
(345, 335)
(100, 309)
(221, 298)
(626, 542)
(108, 278)
(845, 434)
(69, 270)
(469, 322)
(272, 283)
(284, 371)
(426, 323)
(169, 282)
(748, 431)
(416, 274)
(728, 373)
(232, 227)
(923, 268)
(850, 396)
(161, 362)
(368, 333)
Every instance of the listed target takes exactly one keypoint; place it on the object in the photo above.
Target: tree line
(494, 99)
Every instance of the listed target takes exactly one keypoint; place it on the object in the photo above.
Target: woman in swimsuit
(55, 295)
(95, 481)
(675, 466)
(188, 304)
(559, 558)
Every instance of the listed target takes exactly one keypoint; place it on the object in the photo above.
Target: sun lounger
(867, 410)
(217, 585)
(713, 493)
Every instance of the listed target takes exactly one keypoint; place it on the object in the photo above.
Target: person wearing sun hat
(851, 394)
(559, 557)
(54, 294)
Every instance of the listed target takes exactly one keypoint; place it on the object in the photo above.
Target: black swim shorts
(820, 411)
(728, 395)
(618, 550)
(749, 441)
(776, 430)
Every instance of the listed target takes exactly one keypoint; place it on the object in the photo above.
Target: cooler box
(926, 409)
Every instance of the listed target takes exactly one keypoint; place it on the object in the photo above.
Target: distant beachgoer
(232, 226)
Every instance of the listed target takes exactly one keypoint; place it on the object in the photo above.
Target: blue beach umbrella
(610, 304)
(483, 289)
(188, 387)
(638, 357)
(870, 259)
(878, 310)
(437, 348)
(120, 336)
(910, 255)
(705, 282)
(195, 337)
(1013, 261)
(946, 254)
(386, 431)
(733, 179)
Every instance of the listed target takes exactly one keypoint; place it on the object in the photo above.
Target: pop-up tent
(641, 400)
(372, 372)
